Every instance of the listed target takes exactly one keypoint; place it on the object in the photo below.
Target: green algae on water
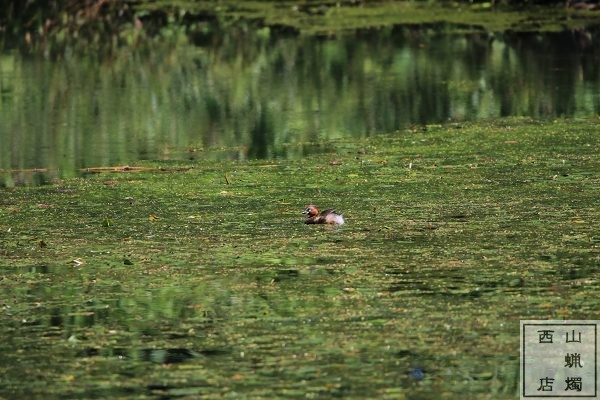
(212, 287)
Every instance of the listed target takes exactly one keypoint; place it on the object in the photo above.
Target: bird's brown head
(311, 211)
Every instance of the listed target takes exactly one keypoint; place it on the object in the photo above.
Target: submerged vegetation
(205, 281)
(190, 273)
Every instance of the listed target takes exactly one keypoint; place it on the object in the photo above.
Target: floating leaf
(73, 339)
(77, 262)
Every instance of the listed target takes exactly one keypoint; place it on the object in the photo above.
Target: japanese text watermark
(559, 359)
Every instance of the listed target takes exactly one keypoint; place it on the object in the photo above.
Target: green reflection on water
(247, 94)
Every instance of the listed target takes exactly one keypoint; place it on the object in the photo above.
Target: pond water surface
(255, 93)
(197, 278)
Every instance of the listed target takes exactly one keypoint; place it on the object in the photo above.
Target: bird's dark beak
(305, 212)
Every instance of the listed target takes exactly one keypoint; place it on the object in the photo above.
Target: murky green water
(251, 93)
(197, 278)
(184, 284)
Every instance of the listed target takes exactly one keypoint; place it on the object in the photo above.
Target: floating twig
(26, 170)
(127, 168)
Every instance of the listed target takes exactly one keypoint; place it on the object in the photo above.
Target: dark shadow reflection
(270, 93)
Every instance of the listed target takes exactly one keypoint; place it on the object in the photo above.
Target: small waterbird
(313, 216)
